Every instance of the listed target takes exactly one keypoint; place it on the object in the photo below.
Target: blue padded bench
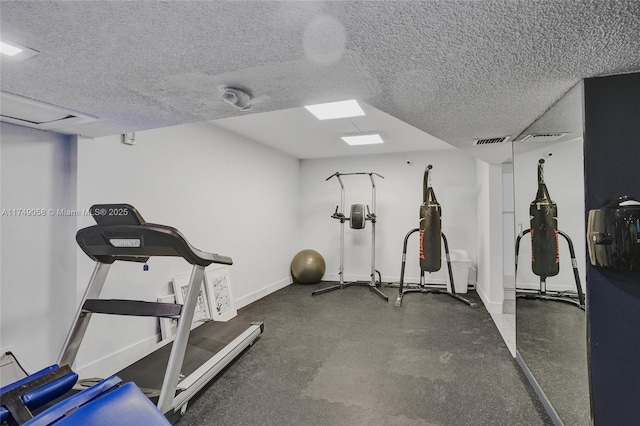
(106, 403)
(34, 391)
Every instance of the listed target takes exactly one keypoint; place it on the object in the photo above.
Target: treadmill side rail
(81, 321)
(193, 383)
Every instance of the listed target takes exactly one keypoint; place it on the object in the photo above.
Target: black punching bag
(430, 228)
(543, 214)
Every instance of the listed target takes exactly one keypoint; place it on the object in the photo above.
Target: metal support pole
(341, 270)
(402, 268)
(174, 366)
(373, 230)
(574, 265)
(81, 322)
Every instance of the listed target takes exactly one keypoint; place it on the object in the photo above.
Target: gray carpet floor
(551, 339)
(349, 358)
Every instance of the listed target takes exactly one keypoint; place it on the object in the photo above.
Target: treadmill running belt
(204, 342)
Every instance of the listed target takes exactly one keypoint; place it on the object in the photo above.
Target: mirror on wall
(550, 277)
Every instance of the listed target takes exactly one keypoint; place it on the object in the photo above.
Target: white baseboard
(509, 307)
(492, 307)
(509, 294)
(259, 294)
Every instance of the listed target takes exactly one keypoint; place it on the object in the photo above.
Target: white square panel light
(9, 49)
(363, 139)
(331, 110)
(15, 52)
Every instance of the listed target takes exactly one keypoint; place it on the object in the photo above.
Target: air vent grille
(542, 137)
(490, 141)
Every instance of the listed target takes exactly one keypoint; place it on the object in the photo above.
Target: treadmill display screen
(121, 242)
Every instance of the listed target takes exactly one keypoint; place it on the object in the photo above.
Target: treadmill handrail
(122, 234)
(151, 239)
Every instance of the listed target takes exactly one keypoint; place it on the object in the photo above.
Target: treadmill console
(116, 214)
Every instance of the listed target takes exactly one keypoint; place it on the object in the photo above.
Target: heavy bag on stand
(543, 214)
(430, 228)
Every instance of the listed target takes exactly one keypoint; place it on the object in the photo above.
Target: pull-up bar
(338, 174)
(370, 216)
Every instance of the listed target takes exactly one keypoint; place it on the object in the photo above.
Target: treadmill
(193, 357)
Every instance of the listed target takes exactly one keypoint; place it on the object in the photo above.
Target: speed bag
(430, 230)
(545, 256)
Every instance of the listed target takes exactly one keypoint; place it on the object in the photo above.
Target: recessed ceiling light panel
(9, 49)
(15, 52)
(331, 110)
(363, 139)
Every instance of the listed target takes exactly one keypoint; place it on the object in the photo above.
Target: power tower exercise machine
(430, 248)
(193, 357)
(357, 220)
(545, 250)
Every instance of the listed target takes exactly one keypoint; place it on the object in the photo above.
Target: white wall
(399, 196)
(508, 234)
(38, 290)
(490, 235)
(564, 176)
(225, 193)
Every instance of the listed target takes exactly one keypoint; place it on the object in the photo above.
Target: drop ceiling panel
(299, 133)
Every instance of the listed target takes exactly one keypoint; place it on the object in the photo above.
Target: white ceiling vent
(542, 137)
(38, 115)
(490, 141)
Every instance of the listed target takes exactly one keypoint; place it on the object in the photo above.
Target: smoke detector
(238, 98)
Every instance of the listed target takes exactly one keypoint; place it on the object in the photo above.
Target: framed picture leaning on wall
(221, 301)
(167, 325)
(203, 311)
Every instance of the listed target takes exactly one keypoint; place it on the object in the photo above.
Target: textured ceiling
(457, 70)
(564, 117)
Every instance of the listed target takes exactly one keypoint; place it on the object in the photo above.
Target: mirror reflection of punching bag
(543, 214)
(430, 227)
